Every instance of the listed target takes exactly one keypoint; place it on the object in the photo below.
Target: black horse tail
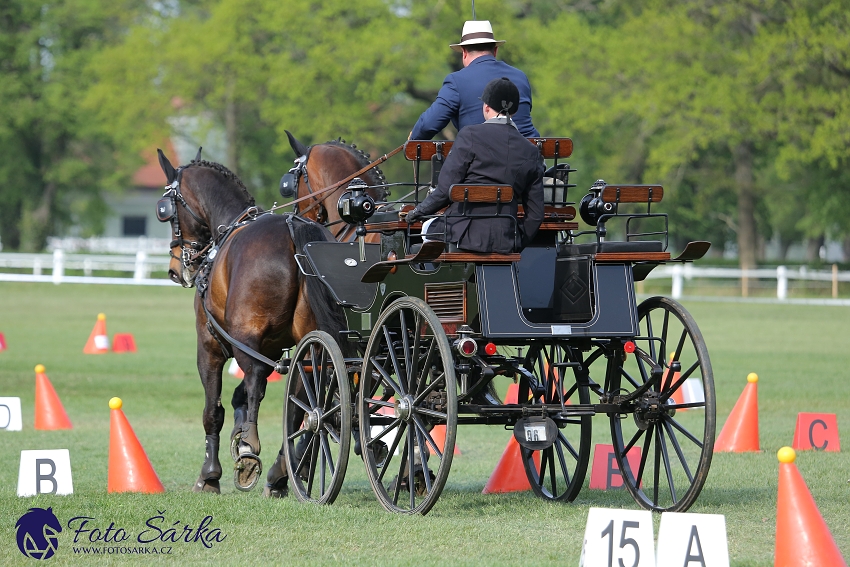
(329, 314)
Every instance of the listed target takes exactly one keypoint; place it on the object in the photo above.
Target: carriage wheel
(407, 387)
(317, 419)
(669, 442)
(557, 472)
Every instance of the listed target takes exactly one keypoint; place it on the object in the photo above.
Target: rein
(338, 184)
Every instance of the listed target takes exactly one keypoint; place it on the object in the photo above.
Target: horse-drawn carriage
(429, 331)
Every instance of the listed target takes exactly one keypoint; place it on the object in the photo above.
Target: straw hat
(475, 32)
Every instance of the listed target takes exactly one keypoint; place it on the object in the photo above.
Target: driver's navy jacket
(459, 99)
(492, 153)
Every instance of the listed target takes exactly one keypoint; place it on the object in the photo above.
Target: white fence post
(58, 266)
(139, 272)
(676, 292)
(781, 282)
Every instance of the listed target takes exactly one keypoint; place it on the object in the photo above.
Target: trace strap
(241, 346)
(338, 184)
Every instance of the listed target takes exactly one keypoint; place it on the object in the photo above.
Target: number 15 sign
(618, 538)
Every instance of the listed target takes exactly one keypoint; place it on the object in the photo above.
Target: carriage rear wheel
(557, 472)
(408, 392)
(664, 444)
(317, 419)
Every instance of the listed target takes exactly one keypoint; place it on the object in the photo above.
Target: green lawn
(800, 353)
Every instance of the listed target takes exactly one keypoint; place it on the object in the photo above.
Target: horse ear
(299, 148)
(198, 156)
(167, 168)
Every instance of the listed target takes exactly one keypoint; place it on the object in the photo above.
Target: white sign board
(692, 540)
(46, 471)
(618, 537)
(10, 414)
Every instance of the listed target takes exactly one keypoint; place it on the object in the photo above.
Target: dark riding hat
(501, 95)
(476, 32)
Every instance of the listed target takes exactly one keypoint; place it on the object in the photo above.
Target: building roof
(150, 174)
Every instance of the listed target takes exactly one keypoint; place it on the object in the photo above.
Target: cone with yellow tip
(740, 433)
(129, 467)
(98, 342)
(802, 536)
(49, 411)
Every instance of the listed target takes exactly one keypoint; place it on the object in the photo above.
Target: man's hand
(414, 216)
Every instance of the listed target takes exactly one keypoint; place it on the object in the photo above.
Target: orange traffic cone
(129, 467)
(802, 537)
(49, 412)
(123, 342)
(438, 433)
(509, 474)
(740, 433)
(98, 342)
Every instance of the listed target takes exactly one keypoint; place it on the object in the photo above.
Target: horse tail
(329, 314)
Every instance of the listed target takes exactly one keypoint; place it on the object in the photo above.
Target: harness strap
(241, 346)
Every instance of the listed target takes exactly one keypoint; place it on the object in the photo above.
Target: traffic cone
(802, 536)
(98, 342)
(509, 474)
(49, 412)
(123, 342)
(438, 434)
(129, 467)
(740, 433)
(2, 342)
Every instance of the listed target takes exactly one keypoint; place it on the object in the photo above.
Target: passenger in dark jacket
(458, 100)
(492, 153)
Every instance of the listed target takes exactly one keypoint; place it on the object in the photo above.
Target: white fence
(138, 267)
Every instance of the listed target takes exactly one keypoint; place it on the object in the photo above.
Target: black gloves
(414, 216)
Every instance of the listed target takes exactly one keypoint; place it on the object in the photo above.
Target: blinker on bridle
(166, 210)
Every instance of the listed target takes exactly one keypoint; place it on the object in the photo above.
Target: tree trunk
(231, 128)
(37, 223)
(813, 246)
(744, 181)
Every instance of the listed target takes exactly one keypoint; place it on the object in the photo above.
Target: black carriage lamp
(592, 207)
(355, 207)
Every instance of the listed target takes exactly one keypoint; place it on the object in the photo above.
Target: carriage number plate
(535, 432)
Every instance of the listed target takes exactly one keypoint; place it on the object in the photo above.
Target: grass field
(800, 353)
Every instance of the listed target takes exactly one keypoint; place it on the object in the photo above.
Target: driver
(492, 153)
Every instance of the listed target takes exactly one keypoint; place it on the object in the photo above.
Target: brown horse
(252, 301)
(321, 166)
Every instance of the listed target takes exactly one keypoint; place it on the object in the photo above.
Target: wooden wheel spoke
(643, 455)
(305, 381)
(563, 462)
(684, 431)
(387, 379)
(656, 478)
(438, 381)
(334, 434)
(392, 448)
(438, 451)
(423, 453)
(300, 404)
(568, 445)
(313, 453)
(394, 358)
(326, 449)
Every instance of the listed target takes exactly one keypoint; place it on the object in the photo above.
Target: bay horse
(322, 165)
(252, 302)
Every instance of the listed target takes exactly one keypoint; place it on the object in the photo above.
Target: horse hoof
(210, 485)
(271, 491)
(247, 471)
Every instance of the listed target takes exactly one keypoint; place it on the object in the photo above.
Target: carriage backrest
(632, 194)
(464, 193)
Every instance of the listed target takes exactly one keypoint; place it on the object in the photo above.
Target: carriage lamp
(629, 347)
(490, 349)
(355, 206)
(467, 346)
(592, 207)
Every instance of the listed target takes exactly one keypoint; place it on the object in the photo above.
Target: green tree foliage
(55, 157)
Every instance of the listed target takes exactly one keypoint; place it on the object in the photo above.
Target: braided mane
(226, 173)
(363, 159)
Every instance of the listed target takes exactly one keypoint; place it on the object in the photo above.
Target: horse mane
(363, 159)
(226, 173)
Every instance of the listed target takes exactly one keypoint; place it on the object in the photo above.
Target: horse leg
(210, 366)
(245, 441)
(240, 415)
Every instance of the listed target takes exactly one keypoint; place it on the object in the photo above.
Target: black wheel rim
(558, 472)
(317, 419)
(407, 389)
(670, 442)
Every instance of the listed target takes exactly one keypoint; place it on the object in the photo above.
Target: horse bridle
(191, 252)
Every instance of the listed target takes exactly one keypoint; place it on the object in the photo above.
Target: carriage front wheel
(664, 443)
(317, 419)
(407, 391)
